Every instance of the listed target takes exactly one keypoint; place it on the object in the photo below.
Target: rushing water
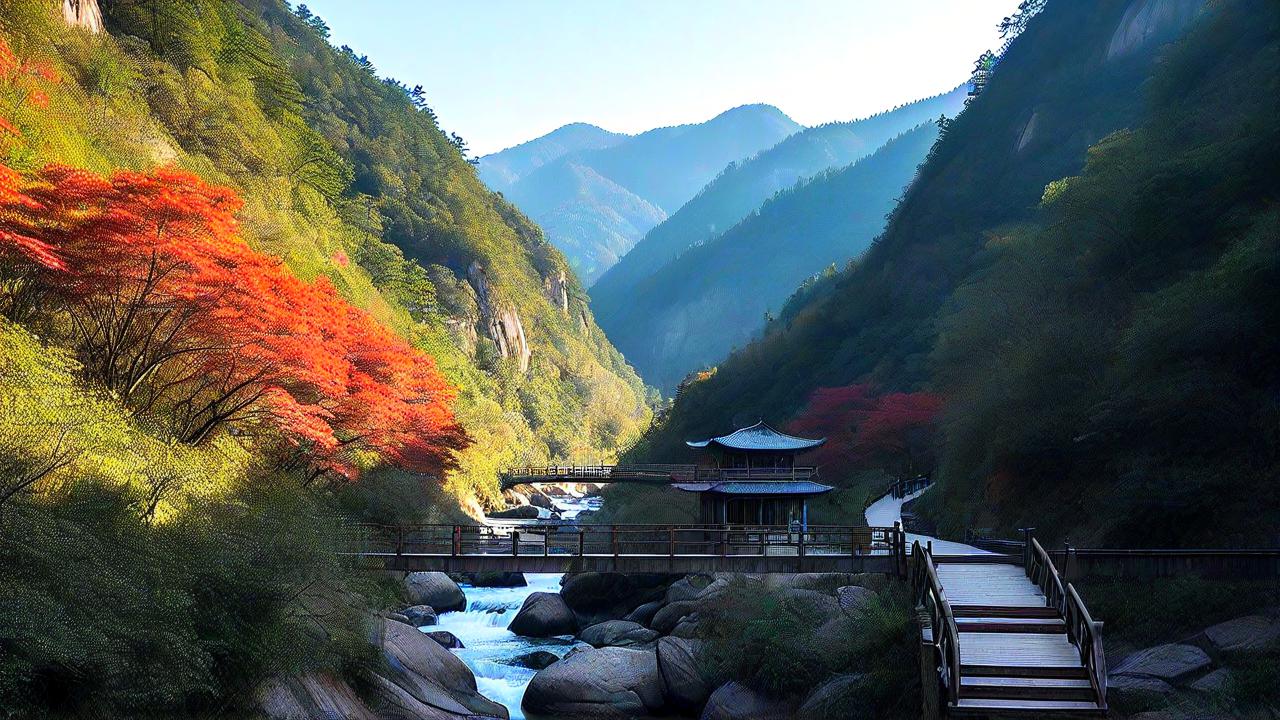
(491, 649)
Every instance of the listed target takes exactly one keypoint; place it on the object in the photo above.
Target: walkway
(887, 511)
(1005, 646)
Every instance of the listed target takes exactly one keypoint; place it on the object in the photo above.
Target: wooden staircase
(1008, 640)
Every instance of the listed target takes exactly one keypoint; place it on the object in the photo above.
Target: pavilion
(750, 477)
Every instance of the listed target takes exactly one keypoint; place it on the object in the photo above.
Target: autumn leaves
(144, 275)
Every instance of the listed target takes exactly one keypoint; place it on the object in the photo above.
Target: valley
(830, 376)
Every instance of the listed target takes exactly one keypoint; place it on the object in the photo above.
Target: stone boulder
(435, 589)
(687, 628)
(521, 512)
(313, 695)
(812, 601)
(493, 579)
(853, 599)
(610, 683)
(537, 659)
(1213, 683)
(427, 680)
(419, 616)
(596, 597)
(685, 688)
(832, 698)
(544, 614)
(1251, 632)
(1171, 663)
(733, 701)
(644, 614)
(666, 619)
(687, 588)
(447, 640)
(1135, 689)
(618, 633)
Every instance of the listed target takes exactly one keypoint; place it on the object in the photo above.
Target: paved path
(888, 510)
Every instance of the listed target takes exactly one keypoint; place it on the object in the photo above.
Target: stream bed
(491, 649)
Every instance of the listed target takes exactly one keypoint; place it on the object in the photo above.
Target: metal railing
(623, 540)
(652, 471)
(927, 592)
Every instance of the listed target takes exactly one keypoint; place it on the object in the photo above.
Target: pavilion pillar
(804, 515)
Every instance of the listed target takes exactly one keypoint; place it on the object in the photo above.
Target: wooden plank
(1017, 649)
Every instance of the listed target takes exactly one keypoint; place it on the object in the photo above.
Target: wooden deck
(1004, 646)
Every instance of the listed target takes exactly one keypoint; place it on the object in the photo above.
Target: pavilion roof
(758, 437)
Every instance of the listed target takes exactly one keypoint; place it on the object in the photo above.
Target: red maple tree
(893, 432)
(171, 311)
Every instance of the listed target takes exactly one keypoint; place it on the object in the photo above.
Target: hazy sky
(500, 72)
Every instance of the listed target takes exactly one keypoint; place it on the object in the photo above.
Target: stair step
(1027, 688)
(1011, 625)
(1024, 671)
(1029, 708)
(1002, 611)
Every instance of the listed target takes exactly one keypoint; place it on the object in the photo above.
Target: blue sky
(500, 72)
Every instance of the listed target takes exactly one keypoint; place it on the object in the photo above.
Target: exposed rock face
(606, 684)
(435, 589)
(1145, 20)
(732, 701)
(419, 615)
(1170, 663)
(684, 686)
(83, 13)
(544, 614)
(499, 323)
(557, 287)
(687, 588)
(496, 579)
(618, 633)
(820, 604)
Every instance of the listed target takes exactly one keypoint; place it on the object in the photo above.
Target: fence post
(802, 542)
(613, 539)
(515, 542)
(399, 540)
(457, 540)
(582, 542)
(1027, 535)
(673, 541)
(899, 548)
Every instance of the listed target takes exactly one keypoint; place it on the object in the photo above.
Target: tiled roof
(758, 437)
(756, 487)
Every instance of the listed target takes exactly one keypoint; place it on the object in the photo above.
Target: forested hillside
(1078, 271)
(744, 185)
(596, 194)
(715, 296)
(250, 292)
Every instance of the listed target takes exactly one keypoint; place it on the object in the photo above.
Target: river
(491, 649)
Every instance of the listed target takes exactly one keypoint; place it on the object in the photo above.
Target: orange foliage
(174, 313)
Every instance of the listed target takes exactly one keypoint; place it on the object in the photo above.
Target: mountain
(692, 311)
(595, 193)
(347, 177)
(744, 185)
(502, 169)
(1080, 271)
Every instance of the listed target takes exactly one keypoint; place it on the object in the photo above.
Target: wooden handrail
(927, 591)
(1082, 630)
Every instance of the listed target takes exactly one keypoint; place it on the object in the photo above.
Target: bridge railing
(1083, 631)
(927, 592)
(624, 540)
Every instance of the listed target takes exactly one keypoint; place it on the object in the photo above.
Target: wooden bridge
(1006, 638)
(565, 547)
(650, 474)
